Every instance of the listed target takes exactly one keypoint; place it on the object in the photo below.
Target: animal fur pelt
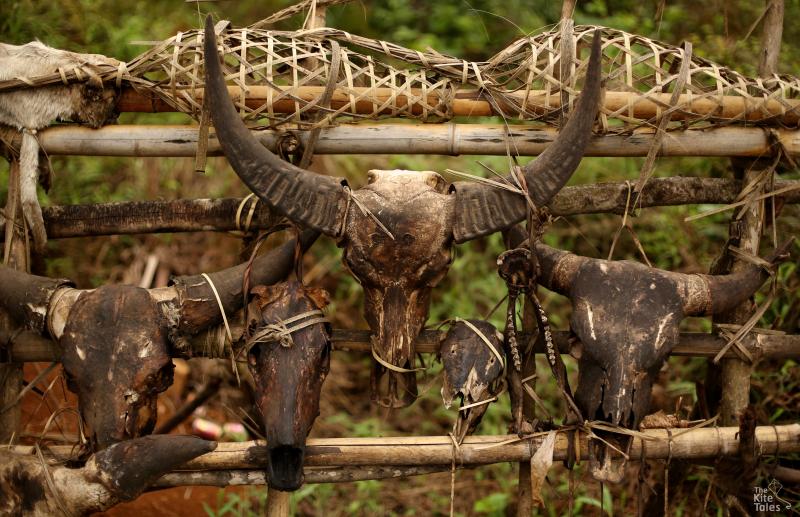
(30, 109)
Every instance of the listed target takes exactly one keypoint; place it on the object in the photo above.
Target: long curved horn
(481, 210)
(27, 297)
(198, 306)
(715, 294)
(308, 199)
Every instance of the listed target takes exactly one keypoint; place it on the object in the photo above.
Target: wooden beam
(442, 139)
(193, 215)
(29, 346)
(471, 103)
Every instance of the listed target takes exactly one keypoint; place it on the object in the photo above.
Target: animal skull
(118, 340)
(421, 215)
(289, 363)
(627, 318)
(472, 370)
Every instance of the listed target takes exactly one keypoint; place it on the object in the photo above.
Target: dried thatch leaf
(541, 462)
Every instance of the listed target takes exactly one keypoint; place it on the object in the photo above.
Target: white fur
(30, 109)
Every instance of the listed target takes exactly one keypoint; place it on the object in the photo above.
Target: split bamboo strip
(193, 215)
(696, 444)
(445, 139)
(31, 347)
(472, 103)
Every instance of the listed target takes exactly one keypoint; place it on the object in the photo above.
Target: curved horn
(308, 199)
(127, 468)
(557, 268)
(481, 210)
(27, 297)
(198, 305)
(715, 294)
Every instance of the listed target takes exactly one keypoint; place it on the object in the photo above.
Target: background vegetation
(472, 29)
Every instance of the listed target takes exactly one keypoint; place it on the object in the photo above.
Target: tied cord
(281, 331)
(225, 321)
(390, 366)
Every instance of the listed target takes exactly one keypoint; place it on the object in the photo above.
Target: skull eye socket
(161, 380)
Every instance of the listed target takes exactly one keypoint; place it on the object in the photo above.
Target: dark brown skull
(627, 316)
(472, 371)
(420, 212)
(398, 271)
(288, 371)
(117, 359)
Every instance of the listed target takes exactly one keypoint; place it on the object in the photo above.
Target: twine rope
(225, 322)
(281, 331)
(249, 219)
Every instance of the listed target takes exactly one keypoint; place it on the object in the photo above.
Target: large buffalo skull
(627, 318)
(401, 259)
(118, 340)
(288, 353)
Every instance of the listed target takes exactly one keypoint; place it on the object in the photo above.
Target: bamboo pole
(277, 503)
(223, 478)
(697, 444)
(470, 103)
(193, 215)
(28, 346)
(443, 139)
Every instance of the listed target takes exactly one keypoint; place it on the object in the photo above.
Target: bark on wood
(699, 443)
(31, 347)
(445, 139)
(469, 103)
(771, 36)
(16, 257)
(189, 215)
(182, 215)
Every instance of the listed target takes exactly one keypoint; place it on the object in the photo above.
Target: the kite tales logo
(768, 500)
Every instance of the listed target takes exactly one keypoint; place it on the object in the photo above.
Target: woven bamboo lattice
(520, 82)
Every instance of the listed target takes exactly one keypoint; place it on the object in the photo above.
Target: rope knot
(281, 331)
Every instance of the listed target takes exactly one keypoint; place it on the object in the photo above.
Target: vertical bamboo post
(17, 258)
(277, 503)
(735, 373)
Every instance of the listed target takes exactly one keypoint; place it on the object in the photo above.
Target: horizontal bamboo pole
(223, 478)
(443, 139)
(470, 103)
(695, 444)
(29, 346)
(191, 215)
